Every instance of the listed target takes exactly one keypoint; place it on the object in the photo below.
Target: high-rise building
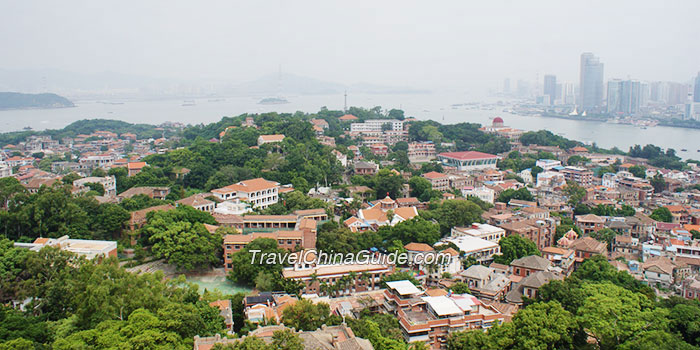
(614, 92)
(591, 81)
(624, 96)
(696, 91)
(568, 93)
(677, 93)
(506, 86)
(550, 87)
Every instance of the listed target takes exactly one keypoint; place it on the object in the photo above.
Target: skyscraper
(506, 86)
(591, 82)
(614, 90)
(696, 91)
(624, 96)
(550, 87)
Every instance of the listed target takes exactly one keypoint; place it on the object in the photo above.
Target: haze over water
(435, 106)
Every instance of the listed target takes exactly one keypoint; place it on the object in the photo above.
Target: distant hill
(292, 84)
(16, 100)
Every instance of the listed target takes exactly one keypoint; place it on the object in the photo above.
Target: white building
(609, 180)
(526, 175)
(484, 193)
(88, 248)
(547, 164)
(550, 179)
(233, 207)
(375, 125)
(481, 249)
(97, 161)
(5, 170)
(263, 139)
(260, 193)
(469, 160)
(108, 182)
(341, 157)
(484, 231)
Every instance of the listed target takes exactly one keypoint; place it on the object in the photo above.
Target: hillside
(16, 100)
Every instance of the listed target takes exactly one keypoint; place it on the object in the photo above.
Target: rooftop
(403, 287)
(468, 155)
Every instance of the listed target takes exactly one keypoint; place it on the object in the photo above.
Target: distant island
(16, 100)
(273, 101)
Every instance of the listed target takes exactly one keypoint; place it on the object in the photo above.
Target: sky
(421, 44)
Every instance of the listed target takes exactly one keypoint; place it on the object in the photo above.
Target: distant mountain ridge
(292, 84)
(16, 100)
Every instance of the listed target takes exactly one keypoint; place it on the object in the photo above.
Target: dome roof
(498, 121)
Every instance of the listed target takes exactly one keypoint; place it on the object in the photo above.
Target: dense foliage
(54, 212)
(81, 304)
(597, 301)
(515, 247)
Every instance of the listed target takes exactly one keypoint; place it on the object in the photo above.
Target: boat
(188, 103)
(684, 150)
(27, 128)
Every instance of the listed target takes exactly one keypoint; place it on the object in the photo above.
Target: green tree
(614, 315)
(521, 194)
(387, 183)
(515, 247)
(246, 269)
(638, 171)
(575, 192)
(415, 230)
(186, 245)
(658, 182)
(420, 188)
(305, 315)
(460, 288)
(662, 214)
(97, 187)
(453, 213)
(605, 235)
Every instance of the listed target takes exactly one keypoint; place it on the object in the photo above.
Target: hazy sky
(416, 43)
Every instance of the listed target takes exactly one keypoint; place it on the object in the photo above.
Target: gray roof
(537, 279)
(532, 262)
(618, 224)
(479, 272)
(497, 283)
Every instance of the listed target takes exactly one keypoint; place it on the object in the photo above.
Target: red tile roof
(468, 155)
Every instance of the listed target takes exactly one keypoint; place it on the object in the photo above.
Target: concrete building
(90, 249)
(260, 193)
(591, 82)
(484, 231)
(484, 193)
(109, 183)
(581, 176)
(264, 139)
(439, 181)
(375, 125)
(421, 151)
(480, 249)
(550, 88)
(469, 160)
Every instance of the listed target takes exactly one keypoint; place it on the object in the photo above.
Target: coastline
(35, 108)
(662, 122)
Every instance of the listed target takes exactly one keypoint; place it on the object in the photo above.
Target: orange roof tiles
(418, 247)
